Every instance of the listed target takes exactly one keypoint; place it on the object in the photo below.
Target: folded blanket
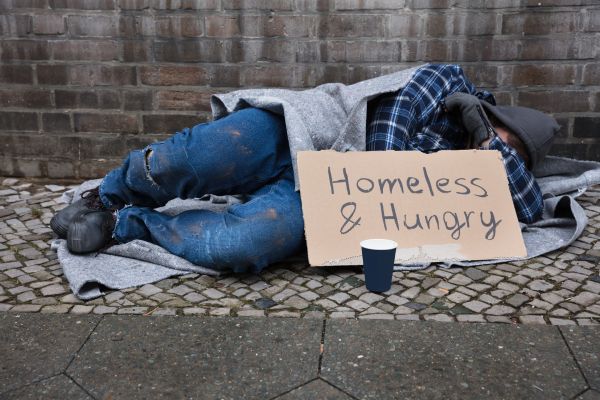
(138, 262)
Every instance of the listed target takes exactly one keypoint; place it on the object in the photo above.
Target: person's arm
(525, 192)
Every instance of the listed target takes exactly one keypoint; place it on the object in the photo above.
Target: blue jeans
(244, 153)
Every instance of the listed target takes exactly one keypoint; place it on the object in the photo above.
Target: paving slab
(56, 387)
(589, 395)
(317, 389)
(37, 346)
(584, 342)
(409, 359)
(186, 357)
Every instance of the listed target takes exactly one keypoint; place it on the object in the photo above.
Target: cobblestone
(561, 288)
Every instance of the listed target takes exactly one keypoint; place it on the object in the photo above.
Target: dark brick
(52, 74)
(136, 26)
(48, 24)
(56, 122)
(273, 26)
(593, 24)
(180, 26)
(269, 75)
(93, 25)
(591, 74)
(24, 50)
(373, 51)
(136, 50)
(425, 4)
(102, 75)
(548, 3)
(95, 99)
(482, 74)
(134, 4)
(586, 127)
(556, 101)
(540, 23)
(32, 144)
(353, 5)
(351, 26)
(15, 25)
(84, 4)
(185, 4)
(202, 50)
(275, 5)
(30, 3)
(183, 100)
(269, 50)
(26, 98)
(101, 146)
(223, 25)
(18, 121)
(333, 51)
(473, 24)
(85, 50)
(549, 49)
(98, 168)
(405, 25)
(227, 76)
(173, 75)
(62, 169)
(331, 73)
(570, 150)
(169, 123)
(307, 52)
(137, 100)
(113, 123)
(534, 74)
(357, 73)
(21, 167)
(16, 74)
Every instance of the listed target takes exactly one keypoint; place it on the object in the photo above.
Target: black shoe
(90, 231)
(90, 200)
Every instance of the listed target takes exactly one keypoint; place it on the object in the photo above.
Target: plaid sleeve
(402, 120)
(525, 192)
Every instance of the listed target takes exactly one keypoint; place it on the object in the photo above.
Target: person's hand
(472, 116)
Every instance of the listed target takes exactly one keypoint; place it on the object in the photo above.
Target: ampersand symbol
(348, 218)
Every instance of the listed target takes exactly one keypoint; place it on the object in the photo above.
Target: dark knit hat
(536, 129)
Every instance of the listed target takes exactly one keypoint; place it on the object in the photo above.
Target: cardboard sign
(449, 205)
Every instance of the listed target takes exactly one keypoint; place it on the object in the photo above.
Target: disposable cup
(378, 263)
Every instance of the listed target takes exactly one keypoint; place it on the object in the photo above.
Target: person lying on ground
(247, 152)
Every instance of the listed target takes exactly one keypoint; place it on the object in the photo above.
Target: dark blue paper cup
(378, 263)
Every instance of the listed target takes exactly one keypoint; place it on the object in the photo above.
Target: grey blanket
(330, 116)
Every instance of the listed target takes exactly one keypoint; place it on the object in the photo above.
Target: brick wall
(84, 81)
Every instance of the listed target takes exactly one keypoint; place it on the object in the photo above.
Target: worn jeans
(244, 153)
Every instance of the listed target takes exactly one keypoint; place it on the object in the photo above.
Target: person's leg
(247, 237)
(233, 155)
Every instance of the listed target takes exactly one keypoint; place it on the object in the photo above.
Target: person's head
(530, 132)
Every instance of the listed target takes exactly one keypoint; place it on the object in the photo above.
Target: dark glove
(472, 116)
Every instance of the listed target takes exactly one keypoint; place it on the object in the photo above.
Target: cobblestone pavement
(561, 288)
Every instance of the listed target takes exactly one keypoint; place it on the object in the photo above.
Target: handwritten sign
(450, 205)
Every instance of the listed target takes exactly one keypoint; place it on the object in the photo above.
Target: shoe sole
(58, 228)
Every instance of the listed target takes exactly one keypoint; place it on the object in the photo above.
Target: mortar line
(83, 344)
(322, 347)
(574, 358)
(338, 388)
(79, 385)
(33, 382)
(294, 388)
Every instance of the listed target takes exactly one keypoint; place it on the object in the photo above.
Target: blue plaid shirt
(414, 119)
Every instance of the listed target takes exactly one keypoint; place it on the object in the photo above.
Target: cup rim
(378, 244)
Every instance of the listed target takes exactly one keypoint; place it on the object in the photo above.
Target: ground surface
(560, 288)
(325, 349)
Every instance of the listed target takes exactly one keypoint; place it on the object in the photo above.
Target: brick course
(97, 78)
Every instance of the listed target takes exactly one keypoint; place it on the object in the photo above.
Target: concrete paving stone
(376, 316)
(116, 295)
(499, 310)
(402, 310)
(470, 318)
(32, 352)
(194, 311)
(439, 318)
(537, 303)
(81, 309)
(411, 293)
(585, 298)
(475, 274)
(317, 389)
(493, 279)
(164, 311)
(104, 310)
(28, 308)
(519, 279)
(408, 282)
(466, 291)
(284, 314)
(476, 306)
(56, 387)
(284, 295)
(313, 284)
(551, 298)
(561, 321)
(500, 294)
(132, 310)
(339, 297)
(539, 285)
(342, 314)
(574, 276)
(396, 300)
(253, 296)
(460, 279)
(517, 300)
(519, 367)
(570, 285)
(18, 290)
(429, 282)
(584, 342)
(593, 287)
(325, 290)
(308, 295)
(194, 297)
(148, 290)
(479, 287)
(370, 298)
(589, 395)
(5, 306)
(424, 298)
(488, 299)
(498, 319)
(26, 296)
(532, 319)
(213, 293)
(297, 302)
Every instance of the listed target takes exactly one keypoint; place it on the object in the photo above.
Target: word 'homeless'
(453, 222)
